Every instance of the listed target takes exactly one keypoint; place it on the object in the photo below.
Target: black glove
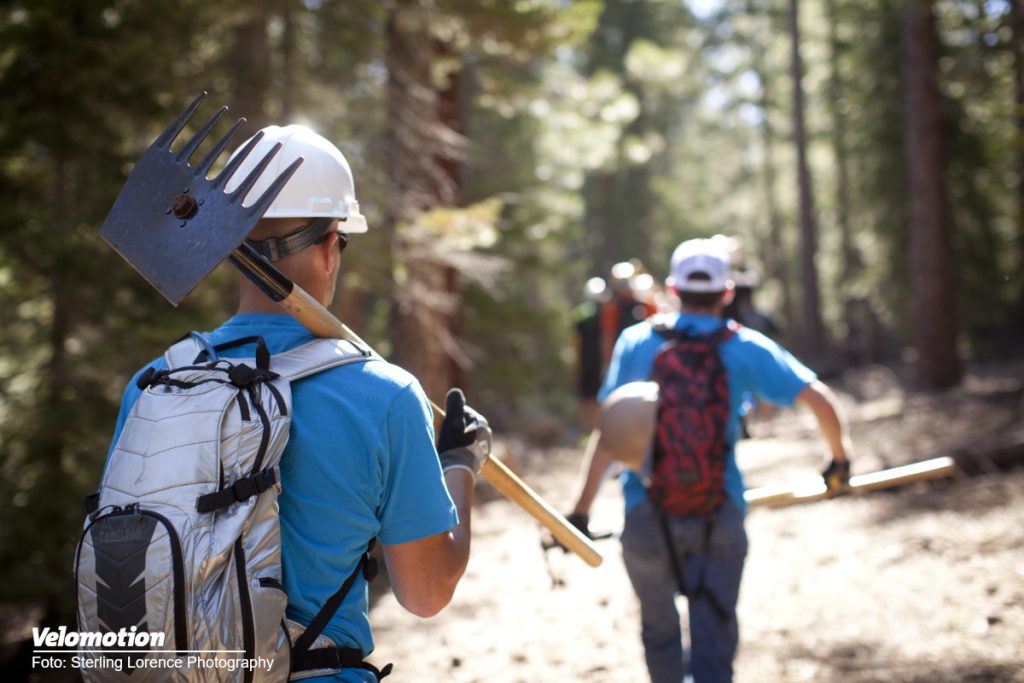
(837, 475)
(464, 441)
(581, 521)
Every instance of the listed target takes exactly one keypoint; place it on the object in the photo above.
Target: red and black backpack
(688, 472)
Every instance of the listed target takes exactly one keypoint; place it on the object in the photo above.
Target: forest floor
(921, 584)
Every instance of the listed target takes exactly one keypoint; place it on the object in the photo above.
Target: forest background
(870, 153)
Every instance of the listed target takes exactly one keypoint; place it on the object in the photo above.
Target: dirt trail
(923, 585)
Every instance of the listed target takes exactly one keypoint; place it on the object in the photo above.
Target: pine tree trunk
(931, 267)
(812, 340)
(288, 84)
(1017, 46)
(422, 174)
(851, 265)
(250, 65)
(775, 256)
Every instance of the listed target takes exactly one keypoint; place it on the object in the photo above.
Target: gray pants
(709, 555)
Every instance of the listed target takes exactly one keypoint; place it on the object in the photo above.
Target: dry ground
(924, 584)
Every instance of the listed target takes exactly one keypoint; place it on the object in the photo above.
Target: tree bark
(775, 256)
(851, 264)
(423, 173)
(1017, 46)
(288, 84)
(812, 337)
(933, 319)
(250, 65)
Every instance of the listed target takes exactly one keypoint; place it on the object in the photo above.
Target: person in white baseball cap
(684, 530)
(700, 265)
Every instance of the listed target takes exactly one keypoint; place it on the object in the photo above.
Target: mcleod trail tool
(175, 225)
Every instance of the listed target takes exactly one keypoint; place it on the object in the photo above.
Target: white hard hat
(321, 187)
(626, 423)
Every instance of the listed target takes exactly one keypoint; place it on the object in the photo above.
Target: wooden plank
(812, 490)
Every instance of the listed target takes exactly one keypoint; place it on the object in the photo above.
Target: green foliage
(75, 104)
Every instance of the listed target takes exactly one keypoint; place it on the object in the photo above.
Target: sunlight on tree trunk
(423, 174)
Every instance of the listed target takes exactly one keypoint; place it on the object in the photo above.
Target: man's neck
(709, 313)
(252, 300)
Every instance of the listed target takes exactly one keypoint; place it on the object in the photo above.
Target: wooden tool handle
(316, 318)
(322, 323)
(513, 488)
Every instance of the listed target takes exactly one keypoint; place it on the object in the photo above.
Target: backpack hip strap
(334, 658)
(301, 649)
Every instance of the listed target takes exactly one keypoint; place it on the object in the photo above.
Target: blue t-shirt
(360, 464)
(756, 367)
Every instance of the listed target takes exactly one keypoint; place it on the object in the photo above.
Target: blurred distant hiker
(746, 281)
(360, 462)
(742, 308)
(589, 362)
(631, 301)
(684, 529)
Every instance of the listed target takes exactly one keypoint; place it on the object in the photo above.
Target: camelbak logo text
(122, 535)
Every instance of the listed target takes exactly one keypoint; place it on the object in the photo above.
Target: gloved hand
(837, 475)
(580, 520)
(464, 441)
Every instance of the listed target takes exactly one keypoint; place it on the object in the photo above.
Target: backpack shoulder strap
(184, 351)
(726, 331)
(663, 324)
(318, 355)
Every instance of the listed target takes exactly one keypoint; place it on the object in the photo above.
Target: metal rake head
(171, 222)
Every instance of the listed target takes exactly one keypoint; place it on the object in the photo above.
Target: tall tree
(1016, 16)
(812, 333)
(249, 59)
(849, 257)
(424, 151)
(932, 313)
(776, 256)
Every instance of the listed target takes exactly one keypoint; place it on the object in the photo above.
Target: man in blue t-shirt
(663, 552)
(360, 463)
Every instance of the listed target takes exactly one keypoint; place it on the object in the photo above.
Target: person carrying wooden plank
(684, 527)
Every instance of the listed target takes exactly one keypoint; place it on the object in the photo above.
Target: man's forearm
(823, 403)
(461, 486)
(596, 462)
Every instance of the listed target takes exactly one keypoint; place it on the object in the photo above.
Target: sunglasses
(342, 240)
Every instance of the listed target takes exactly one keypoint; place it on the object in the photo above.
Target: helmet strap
(276, 248)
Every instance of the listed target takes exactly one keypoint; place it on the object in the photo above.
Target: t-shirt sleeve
(776, 375)
(416, 503)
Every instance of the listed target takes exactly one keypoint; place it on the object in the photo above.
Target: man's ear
(728, 295)
(329, 252)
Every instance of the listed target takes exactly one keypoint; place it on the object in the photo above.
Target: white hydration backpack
(183, 537)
